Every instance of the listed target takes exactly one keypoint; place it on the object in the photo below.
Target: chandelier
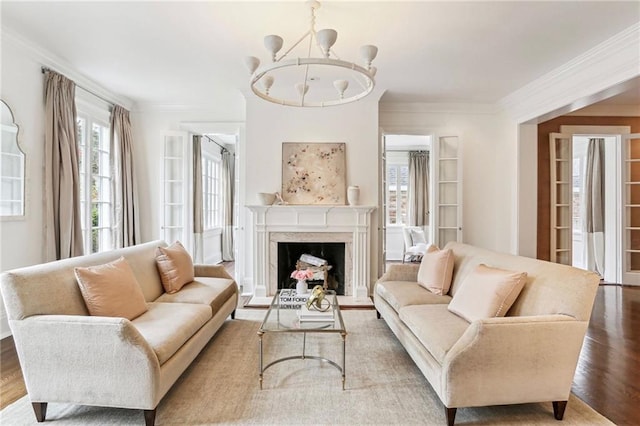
(351, 81)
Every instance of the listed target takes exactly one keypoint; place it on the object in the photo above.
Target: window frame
(397, 162)
(95, 115)
(211, 191)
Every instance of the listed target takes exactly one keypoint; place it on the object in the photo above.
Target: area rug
(383, 386)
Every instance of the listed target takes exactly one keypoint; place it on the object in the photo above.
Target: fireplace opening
(334, 253)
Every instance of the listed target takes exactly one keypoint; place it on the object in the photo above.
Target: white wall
(269, 125)
(488, 158)
(21, 241)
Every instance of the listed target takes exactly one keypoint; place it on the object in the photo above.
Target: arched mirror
(12, 161)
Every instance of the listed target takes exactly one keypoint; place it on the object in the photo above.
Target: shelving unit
(174, 188)
(631, 212)
(561, 156)
(449, 190)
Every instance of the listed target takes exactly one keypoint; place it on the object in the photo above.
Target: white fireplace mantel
(354, 221)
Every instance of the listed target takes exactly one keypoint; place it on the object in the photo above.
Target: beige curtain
(228, 179)
(198, 219)
(124, 191)
(418, 198)
(62, 224)
(594, 206)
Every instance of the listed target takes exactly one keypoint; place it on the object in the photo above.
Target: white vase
(301, 287)
(353, 195)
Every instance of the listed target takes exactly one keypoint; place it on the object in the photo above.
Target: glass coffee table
(285, 319)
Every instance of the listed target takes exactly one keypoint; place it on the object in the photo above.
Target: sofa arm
(87, 360)
(513, 360)
(401, 272)
(213, 271)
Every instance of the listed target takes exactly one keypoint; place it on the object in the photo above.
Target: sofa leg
(150, 417)
(40, 410)
(377, 314)
(451, 415)
(233, 314)
(558, 409)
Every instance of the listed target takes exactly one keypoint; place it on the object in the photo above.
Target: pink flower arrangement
(302, 275)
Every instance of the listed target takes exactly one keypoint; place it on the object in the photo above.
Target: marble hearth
(350, 225)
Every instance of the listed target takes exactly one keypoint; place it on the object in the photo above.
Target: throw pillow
(111, 290)
(487, 292)
(175, 266)
(417, 236)
(436, 270)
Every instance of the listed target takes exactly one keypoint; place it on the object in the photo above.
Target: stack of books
(289, 299)
(306, 314)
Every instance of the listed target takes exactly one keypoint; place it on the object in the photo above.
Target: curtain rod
(211, 140)
(45, 69)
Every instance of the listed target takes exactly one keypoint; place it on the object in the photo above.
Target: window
(95, 183)
(397, 193)
(211, 199)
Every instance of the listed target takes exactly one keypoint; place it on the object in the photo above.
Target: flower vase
(301, 287)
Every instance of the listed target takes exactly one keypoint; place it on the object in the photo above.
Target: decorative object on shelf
(353, 195)
(302, 276)
(266, 198)
(317, 300)
(312, 70)
(313, 173)
(279, 200)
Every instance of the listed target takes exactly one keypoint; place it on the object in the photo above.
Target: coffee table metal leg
(260, 357)
(304, 344)
(344, 346)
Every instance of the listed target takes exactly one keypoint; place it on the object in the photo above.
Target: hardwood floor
(607, 377)
(608, 373)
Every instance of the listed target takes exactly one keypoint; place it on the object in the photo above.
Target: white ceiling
(191, 53)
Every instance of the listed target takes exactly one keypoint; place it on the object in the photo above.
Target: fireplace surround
(350, 225)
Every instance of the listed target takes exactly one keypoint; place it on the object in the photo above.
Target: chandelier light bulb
(368, 52)
(326, 39)
(341, 86)
(302, 88)
(252, 63)
(267, 82)
(273, 43)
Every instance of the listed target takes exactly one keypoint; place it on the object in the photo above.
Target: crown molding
(569, 87)
(55, 63)
(608, 111)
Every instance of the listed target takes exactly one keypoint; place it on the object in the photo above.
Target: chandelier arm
(334, 54)
(294, 46)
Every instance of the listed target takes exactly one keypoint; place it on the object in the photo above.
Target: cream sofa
(528, 356)
(68, 356)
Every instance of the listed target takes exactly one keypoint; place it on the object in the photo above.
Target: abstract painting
(313, 173)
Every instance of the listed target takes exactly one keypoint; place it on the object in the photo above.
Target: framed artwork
(313, 173)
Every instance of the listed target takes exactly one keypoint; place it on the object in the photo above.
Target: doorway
(596, 221)
(403, 189)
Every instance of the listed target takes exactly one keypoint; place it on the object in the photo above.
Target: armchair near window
(415, 243)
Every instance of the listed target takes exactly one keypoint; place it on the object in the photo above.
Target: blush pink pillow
(436, 270)
(487, 292)
(111, 290)
(175, 266)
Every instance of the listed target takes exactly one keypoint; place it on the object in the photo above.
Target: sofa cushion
(436, 270)
(175, 266)
(487, 292)
(213, 291)
(404, 293)
(167, 326)
(434, 326)
(111, 290)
